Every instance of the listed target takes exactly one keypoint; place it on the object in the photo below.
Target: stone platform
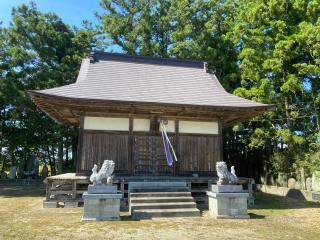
(228, 201)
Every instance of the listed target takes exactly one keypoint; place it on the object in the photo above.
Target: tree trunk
(74, 150)
(2, 160)
(316, 114)
(60, 156)
(67, 149)
(288, 111)
(51, 162)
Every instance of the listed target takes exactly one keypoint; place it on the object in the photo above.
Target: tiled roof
(119, 77)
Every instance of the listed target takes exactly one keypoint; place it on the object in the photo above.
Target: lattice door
(149, 156)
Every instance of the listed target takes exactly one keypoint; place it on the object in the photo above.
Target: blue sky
(72, 12)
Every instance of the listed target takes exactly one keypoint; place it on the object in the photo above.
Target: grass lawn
(273, 217)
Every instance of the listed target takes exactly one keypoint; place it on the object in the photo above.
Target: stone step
(153, 189)
(160, 194)
(160, 199)
(160, 213)
(157, 184)
(165, 205)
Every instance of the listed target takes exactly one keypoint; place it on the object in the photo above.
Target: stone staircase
(146, 203)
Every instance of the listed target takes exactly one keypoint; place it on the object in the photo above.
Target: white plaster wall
(141, 125)
(106, 123)
(198, 127)
(170, 127)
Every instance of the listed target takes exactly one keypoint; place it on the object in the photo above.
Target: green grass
(273, 217)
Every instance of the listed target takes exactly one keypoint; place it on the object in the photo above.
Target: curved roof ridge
(105, 56)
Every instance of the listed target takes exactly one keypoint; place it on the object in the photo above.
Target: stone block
(226, 188)
(101, 206)
(298, 185)
(71, 204)
(282, 180)
(12, 172)
(228, 205)
(102, 188)
(316, 181)
(291, 183)
(309, 184)
(47, 204)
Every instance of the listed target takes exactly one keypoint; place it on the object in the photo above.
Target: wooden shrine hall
(118, 101)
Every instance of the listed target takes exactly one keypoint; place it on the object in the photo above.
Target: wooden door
(149, 157)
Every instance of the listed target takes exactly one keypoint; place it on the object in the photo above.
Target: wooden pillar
(79, 164)
(176, 143)
(220, 141)
(74, 189)
(130, 147)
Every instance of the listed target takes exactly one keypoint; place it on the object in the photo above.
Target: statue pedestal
(228, 201)
(102, 188)
(101, 203)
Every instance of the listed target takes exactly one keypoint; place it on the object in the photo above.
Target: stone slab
(226, 188)
(316, 196)
(87, 195)
(47, 204)
(228, 195)
(71, 204)
(291, 183)
(103, 188)
(315, 182)
(114, 218)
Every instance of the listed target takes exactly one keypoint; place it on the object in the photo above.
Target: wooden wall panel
(102, 146)
(198, 153)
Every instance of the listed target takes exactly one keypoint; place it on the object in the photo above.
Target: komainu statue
(105, 172)
(226, 177)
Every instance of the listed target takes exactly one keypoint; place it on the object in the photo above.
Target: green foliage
(278, 43)
(39, 51)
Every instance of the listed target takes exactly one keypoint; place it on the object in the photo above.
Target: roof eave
(44, 101)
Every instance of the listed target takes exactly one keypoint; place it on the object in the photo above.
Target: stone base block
(226, 188)
(228, 205)
(103, 188)
(101, 207)
(71, 204)
(47, 204)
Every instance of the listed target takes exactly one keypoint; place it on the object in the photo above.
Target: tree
(40, 52)
(137, 26)
(277, 66)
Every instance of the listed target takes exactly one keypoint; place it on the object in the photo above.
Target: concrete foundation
(223, 204)
(103, 206)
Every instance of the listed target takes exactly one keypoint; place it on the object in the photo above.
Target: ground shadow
(256, 216)
(128, 218)
(22, 190)
(269, 201)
